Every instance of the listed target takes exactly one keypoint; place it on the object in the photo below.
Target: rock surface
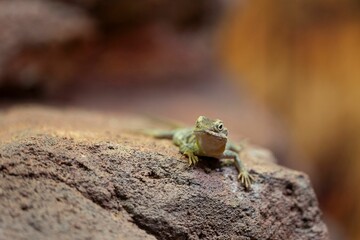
(69, 174)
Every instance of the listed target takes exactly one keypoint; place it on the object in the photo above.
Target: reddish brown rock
(48, 47)
(38, 24)
(73, 174)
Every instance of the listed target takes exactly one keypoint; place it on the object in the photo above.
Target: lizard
(209, 138)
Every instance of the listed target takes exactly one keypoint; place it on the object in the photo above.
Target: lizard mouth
(212, 133)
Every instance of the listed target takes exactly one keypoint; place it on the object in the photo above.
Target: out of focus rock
(35, 24)
(120, 16)
(47, 46)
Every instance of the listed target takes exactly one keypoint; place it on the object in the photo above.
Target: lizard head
(211, 135)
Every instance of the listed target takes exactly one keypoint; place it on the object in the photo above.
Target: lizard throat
(210, 145)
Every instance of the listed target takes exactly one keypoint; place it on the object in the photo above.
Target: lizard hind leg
(244, 176)
(236, 147)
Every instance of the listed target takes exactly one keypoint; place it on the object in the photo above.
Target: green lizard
(209, 138)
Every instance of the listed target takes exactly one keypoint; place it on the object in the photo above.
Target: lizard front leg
(189, 151)
(245, 178)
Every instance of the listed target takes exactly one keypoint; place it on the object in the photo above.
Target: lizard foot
(192, 158)
(245, 178)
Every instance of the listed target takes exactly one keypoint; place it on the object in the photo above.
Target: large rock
(69, 174)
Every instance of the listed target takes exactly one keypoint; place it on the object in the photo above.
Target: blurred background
(285, 74)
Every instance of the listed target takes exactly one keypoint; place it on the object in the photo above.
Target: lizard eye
(220, 126)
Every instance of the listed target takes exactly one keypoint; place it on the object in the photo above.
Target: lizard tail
(166, 134)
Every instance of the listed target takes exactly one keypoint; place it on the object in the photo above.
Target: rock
(71, 174)
(38, 23)
(48, 47)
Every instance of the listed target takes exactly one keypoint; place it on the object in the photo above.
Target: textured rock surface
(73, 174)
